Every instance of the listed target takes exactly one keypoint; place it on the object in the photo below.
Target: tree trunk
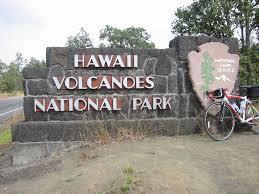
(226, 11)
(247, 24)
(248, 33)
(242, 37)
(248, 78)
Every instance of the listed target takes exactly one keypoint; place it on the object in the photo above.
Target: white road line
(10, 111)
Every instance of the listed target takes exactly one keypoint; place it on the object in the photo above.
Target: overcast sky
(29, 26)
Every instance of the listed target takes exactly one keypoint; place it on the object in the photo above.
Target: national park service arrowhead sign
(212, 67)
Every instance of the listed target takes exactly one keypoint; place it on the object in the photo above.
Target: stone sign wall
(79, 94)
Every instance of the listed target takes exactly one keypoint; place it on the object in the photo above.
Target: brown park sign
(212, 67)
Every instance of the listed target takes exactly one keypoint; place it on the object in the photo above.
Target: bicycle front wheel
(219, 121)
(252, 111)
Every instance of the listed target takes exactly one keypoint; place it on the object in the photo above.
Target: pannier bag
(250, 91)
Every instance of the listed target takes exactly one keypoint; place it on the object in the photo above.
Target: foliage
(33, 62)
(10, 75)
(5, 137)
(80, 40)
(131, 37)
(218, 18)
(11, 79)
(207, 71)
(5, 127)
(19, 61)
(221, 19)
(129, 181)
(205, 17)
(249, 65)
(2, 68)
(245, 12)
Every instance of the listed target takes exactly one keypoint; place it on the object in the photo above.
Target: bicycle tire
(219, 121)
(250, 112)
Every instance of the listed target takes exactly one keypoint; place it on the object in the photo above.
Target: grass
(5, 128)
(120, 132)
(129, 181)
(6, 137)
(6, 95)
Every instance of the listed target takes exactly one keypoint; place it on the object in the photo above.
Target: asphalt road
(9, 106)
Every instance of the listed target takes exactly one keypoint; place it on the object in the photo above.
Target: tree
(245, 20)
(132, 37)
(33, 62)
(2, 67)
(221, 19)
(11, 76)
(218, 18)
(11, 80)
(19, 61)
(249, 68)
(80, 40)
(205, 17)
(207, 71)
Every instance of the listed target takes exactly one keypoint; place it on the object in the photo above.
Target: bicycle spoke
(219, 121)
(252, 112)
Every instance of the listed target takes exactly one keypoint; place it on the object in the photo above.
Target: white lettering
(90, 82)
(52, 105)
(77, 104)
(80, 83)
(70, 107)
(77, 61)
(150, 82)
(126, 82)
(128, 60)
(157, 103)
(140, 82)
(166, 103)
(62, 104)
(136, 102)
(38, 104)
(105, 61)
(57, 82)
(135, 61)
(105, 83)
(118, 61)
(116, 82)
(92, 104)
(105, 105)
(97, 61)
(68, 83)
(115, 104)
(146, 104)
(93, 62)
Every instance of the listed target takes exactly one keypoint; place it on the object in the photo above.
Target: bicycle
(220, 115)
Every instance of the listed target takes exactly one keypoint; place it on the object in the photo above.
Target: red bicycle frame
(233, 107)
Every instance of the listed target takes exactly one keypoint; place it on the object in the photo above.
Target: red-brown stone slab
(212, 67)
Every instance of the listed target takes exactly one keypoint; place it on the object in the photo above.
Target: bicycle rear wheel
(253, 111)
(219, 121)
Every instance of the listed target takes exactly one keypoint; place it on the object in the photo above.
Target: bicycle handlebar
(215, 94)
